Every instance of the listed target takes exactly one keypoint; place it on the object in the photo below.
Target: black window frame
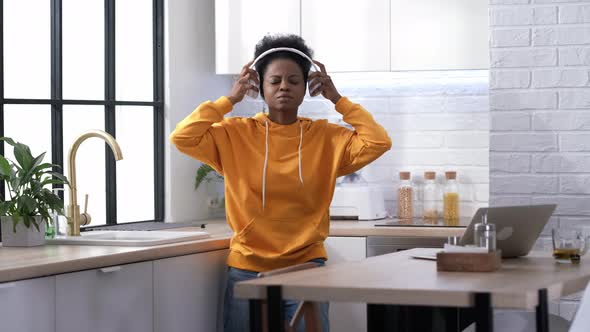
(109, 102)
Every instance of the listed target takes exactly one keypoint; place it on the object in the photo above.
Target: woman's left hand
(320, 82)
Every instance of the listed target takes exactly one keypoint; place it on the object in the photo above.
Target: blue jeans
(236, 312)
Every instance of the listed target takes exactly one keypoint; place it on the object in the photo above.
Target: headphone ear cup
(316, 90)
(252, 93)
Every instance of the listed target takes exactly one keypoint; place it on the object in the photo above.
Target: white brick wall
(540, 109)
(437, 121)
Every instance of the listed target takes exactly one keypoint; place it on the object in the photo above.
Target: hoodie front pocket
(276, 237)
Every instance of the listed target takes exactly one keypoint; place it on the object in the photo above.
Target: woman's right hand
(248, 80)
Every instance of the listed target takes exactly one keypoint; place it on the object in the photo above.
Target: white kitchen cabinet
(239, 25)
(434, 34)
(113, 299)
(347, 35)
(28, 305)
(345, 316)
(188, 292)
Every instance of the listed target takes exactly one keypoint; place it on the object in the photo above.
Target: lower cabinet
(113, 299)
(344, 316)
(28, 305)
(188, 292)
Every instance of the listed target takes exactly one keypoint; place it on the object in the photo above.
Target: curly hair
(282, 40)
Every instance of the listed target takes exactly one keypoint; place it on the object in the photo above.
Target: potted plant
(28, 204)
(215, 189)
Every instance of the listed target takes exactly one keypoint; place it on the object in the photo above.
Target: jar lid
(485, 227)
(404, 175)
(429, 175)
(451, 175)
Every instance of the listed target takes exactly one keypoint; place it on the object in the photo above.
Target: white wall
(539, 104)
(190, 79)
(437, 121)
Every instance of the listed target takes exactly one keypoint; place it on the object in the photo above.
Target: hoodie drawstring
(299, 151)
(265, 164)
(266, 160)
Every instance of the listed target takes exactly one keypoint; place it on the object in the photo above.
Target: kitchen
(512, 122)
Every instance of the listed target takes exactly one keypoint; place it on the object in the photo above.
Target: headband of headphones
(288, 49)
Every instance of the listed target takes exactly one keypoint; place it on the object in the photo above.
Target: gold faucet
(73, 210)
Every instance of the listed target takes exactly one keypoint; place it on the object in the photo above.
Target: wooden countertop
(399, 279)
(367, 228)
(25, 263)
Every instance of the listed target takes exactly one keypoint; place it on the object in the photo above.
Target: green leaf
(49, 181)
(36, 162)
(8, 140)
(27, 204)
(23, 155)
(34, 222)
(15, 220)
(4, 206)
(47, 165)
(14, 179)
(4, 166)
(202, 173)
(59, 176)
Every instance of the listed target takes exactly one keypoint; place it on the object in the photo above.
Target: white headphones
(253, 93)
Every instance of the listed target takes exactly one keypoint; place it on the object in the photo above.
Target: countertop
(25, 263)
(515, 285)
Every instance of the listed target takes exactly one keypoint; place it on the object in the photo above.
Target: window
(68, 66)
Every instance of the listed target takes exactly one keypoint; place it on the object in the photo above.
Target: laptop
(517, 228)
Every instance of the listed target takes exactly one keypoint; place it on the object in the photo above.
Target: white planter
(24, 237)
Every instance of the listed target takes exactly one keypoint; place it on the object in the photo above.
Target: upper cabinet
(439, 35)
(347, 35)
(239, 25)
(353, 35)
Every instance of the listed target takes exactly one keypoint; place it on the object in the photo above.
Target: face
(284, 86)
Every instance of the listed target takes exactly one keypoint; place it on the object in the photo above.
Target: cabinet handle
(110, 269)
(7, 285)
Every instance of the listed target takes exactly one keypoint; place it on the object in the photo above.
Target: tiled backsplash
(539, 106)
(437, 121)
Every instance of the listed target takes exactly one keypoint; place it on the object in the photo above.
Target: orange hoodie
(279, 179)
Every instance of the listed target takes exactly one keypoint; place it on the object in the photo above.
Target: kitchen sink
(128, 238)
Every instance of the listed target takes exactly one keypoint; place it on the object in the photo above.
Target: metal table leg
(255, 315)
(542, 312)
(375, 317)
(484, 316)
(276, 320)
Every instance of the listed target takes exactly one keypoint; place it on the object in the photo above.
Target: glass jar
(451, 198)
(485, 234)
(405, 203)
(430, 196)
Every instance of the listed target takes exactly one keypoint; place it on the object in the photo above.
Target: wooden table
(399, 280)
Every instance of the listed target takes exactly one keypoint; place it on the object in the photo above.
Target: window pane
(83, 49)
(135, 173)
(27, 61)
(90, 158)
(30, 125)
(134, 48)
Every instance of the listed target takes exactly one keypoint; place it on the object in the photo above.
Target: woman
(280, 170)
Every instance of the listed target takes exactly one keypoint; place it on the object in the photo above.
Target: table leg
(376, 317)
(484, 316)
(542, 312)
(401, 318)
(255, 315)
(276, 320)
